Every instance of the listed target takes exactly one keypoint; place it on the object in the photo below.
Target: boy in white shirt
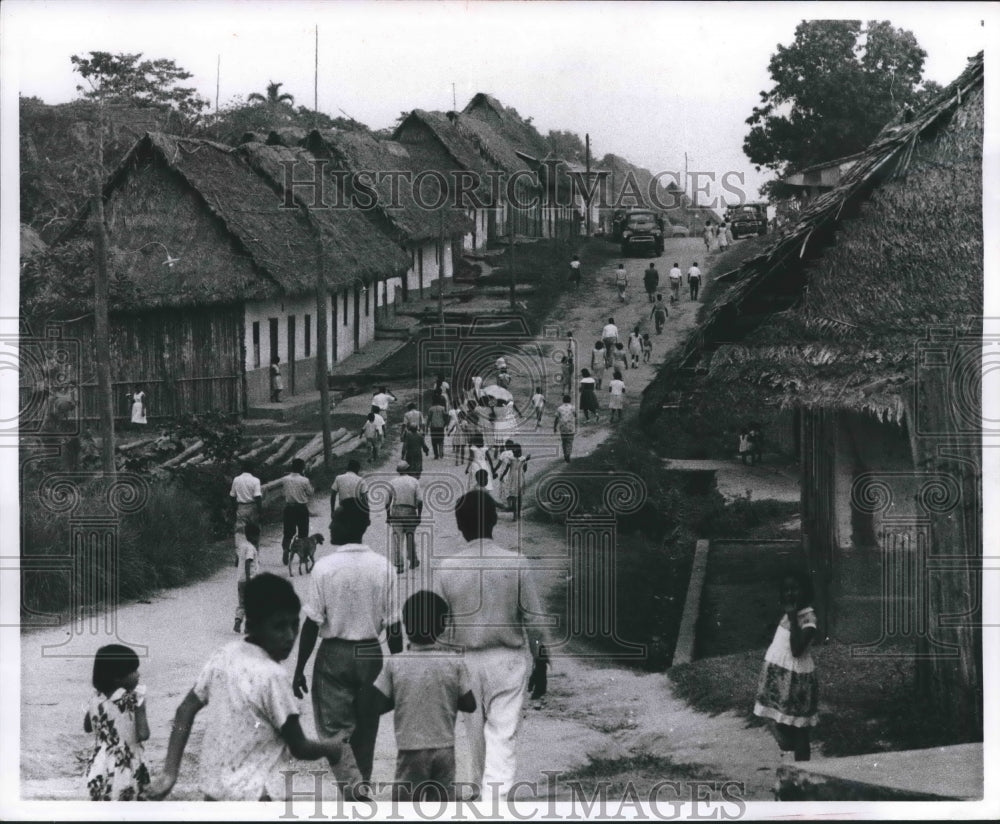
(253, 719)
(538, 404)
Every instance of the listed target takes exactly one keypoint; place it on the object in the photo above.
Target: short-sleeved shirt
(245, 488)
(491, 595)
(405, 491)
(413, 416)
(351, 594)
(297, 489)
(566, 418)
(379, 422)
(617, 387)
(610, 331)
(249, 699)
(245, 551)
(437, 417)
(424, 683)
(537, 400)
(370, 429)
(348, 485)
(381, 400)
(660, 308)
(694, 272)
(675, 274)
(621, 277)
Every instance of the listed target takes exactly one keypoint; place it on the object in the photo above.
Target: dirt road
(593, 709)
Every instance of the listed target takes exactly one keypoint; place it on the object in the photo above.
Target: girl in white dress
(138, 400)
(479, 458)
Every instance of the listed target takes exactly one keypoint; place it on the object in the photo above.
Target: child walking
(787, 693)
(635, 347)
(253, 716)
(647, 347)
(247, 543)
(371, 434)
(621, 281)
(456, 433)
(538, 405)
(116, 716)
(512, 477)
(617, 390)
(427, 686)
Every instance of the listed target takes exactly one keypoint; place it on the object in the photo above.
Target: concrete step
(936, 774)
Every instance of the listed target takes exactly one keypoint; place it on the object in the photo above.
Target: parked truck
(638, 229)
(747, 220)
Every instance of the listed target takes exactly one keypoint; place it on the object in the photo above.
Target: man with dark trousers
(295, 518)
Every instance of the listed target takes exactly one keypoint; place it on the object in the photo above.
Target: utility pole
(316, 77)
(586, 218)
(513, 289)
(441, 266)
(321, 335)
(102, 336)
(218, 72)
(454, 101)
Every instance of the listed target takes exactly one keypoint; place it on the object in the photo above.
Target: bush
(167, 542)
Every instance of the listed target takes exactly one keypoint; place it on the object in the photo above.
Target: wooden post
(441, 267)
(513, 287)
(586, 217)
(321, 361)
(102, 335)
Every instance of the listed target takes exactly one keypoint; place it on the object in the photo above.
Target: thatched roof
(361, 152)
(272, 249)
(285, 136)
(508, 124)
(833, 312)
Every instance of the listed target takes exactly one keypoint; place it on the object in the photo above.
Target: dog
(305, 549)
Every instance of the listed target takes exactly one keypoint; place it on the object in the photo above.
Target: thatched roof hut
(866, 317)
(830, 313)
(273, 248)
(507, 124)
(360, 152)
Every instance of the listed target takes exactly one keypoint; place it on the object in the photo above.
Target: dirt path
(592, 710)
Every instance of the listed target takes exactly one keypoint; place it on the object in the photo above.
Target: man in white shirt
(565, 424)
(349, 489)
(246, 493)
(675, 283)
(694, 280)
(350, 602)
(609, 334)
(495, 611)
(295, 518)
(404, 507)
(381, 399)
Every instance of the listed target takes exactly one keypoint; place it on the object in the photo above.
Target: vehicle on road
(638, 229)
(747, 220)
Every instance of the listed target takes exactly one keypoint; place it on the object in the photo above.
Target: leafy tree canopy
(835, 87)
(566, 145)
(128, 79)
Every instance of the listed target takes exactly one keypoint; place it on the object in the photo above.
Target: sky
(647, 81)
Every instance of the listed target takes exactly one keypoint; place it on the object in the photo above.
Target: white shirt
(245, 488)
(245, 551)
(694, 272)
(248, 698)
(348, 485)
(675, 274)
(405, 491)
(617, 387)
(379, 422)
(609, 331)
(538, 400)
(381, 400)
(352, 594)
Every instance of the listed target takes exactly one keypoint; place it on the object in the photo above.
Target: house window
(308, 331)
(345, 308)
(256, 344)
(367, 306)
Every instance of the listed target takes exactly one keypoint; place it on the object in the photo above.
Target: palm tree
(272, 100)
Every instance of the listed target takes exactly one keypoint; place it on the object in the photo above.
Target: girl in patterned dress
(787, 693)
(117, 718)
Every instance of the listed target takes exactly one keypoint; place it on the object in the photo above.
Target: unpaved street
(592, 709)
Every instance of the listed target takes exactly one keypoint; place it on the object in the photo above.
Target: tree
(272, 99)
(834, 89)
(566, 145)
(126, 79)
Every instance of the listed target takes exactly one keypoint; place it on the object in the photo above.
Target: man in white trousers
(495, 612)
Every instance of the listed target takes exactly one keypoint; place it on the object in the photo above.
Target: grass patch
(166, 543)
(620, 776)
(866, 704)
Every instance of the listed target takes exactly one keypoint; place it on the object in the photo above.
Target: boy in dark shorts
(427, 685)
